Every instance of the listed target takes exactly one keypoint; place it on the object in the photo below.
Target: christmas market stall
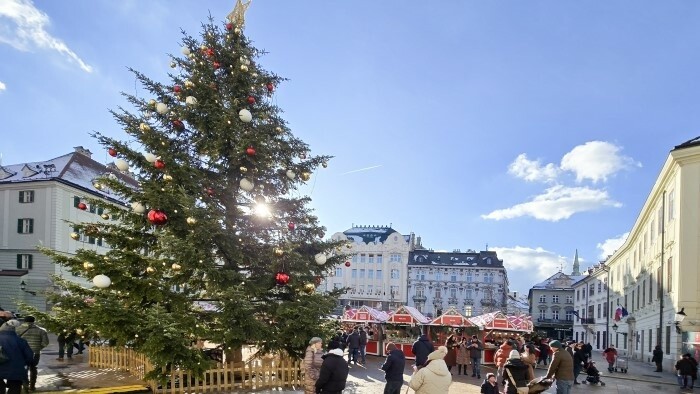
(450, 322)
(371, 319)
(403, 327)
(496, 328)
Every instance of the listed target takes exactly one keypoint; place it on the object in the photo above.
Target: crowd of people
(20, 350)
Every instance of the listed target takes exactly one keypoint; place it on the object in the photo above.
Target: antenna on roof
(487, 247)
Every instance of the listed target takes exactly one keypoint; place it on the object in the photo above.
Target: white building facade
(36, 201)
(375, 274)
(591, 303)
(473, 282)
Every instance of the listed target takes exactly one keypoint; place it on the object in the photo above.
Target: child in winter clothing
(490, 386)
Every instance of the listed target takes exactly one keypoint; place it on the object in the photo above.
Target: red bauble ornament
(178, 125)
(229, 26)
(282, 278)
(347, 264)
(216, 65)
(159, 164)
(209, 52)
(270, 87)
(250, 151)
(157, 217)
(82, 206)
(210, 191)
(251, 100)
(318, 280)
(177, 89)
(112, 152)
(291, 226)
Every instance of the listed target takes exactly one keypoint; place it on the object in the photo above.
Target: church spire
(577, 268)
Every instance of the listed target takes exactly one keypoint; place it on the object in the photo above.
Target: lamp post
(614, 327)
(23, 287)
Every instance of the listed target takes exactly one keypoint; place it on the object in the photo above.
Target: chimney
(418, 241)
(515, 294)
(83, 151)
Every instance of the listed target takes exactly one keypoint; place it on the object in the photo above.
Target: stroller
(593, 374)
(539, 385)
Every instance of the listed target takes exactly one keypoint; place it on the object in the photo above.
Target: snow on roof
(372, 234)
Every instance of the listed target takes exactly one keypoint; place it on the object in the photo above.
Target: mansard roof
(457, 259)
(372, 234)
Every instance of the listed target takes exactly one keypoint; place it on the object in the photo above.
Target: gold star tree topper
(237, 16)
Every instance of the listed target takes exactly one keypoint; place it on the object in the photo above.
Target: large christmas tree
(214, 243)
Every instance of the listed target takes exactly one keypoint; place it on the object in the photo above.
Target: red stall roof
(407, 315)
(451, 318)
(365, 314)
(499, 321)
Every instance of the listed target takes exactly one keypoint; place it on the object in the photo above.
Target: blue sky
(534, 127)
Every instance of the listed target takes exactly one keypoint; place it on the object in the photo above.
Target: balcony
(554, 322)
(487, 302)
(452, 301)
(587, 320)
(437, 300)
(419, 298)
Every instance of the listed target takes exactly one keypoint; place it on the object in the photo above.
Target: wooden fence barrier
(269, 372)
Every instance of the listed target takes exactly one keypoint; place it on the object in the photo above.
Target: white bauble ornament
(320, 259)
(101, 281)
(191, 100)
(162, 108)
(245, 115)
(150, 157)
(246, 184)
(254, 75)
(244, 68)
(291, 174)
(121, 164)
(237, 31)
(185, 51)
(137, 207)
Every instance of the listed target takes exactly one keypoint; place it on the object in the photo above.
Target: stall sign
(452, 320)
(402, 318)
(362, 316)
(500, 323)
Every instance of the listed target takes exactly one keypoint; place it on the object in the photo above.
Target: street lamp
(680, 316)
(23, 287)
(614, 327)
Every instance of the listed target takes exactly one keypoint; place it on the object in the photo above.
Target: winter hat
(439, 354)
(390, 346)
(514, 355)
(10, 325)
(315, 340)
(333, 345)
(555, 344)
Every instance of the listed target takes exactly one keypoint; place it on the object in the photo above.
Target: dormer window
(28, 172)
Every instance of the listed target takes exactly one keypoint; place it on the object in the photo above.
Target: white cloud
(532, 170)
(557, 203)
(527, 266)
(29, 30)
(609, 246)
(2, 86)
(596, 160)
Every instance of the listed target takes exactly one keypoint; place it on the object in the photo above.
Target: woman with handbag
(312, 364)
(515, 373)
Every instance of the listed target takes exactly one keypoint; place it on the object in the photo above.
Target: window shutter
(29, 261)
(31, 226)
(19, 226)
(76, 201)
(19, 261)
(31, 196)
(100, 211)
(99, 241)
(21, 197)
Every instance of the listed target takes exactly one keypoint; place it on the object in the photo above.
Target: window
(650, 339)
(569, 299)
(555, 314)
(470, 278)
(633, 298)
(438, 275)
(421, 275)
(644, 294)
(671, 203)
(362, 274)
(555, 299)
(26, 196)
(453, 292)
(600, 287)
(652, 234)
(379, 259)
(468, 294)
(339, 272)
(468, 310)
(354, 273)
(362, 289)
(605, 310)
(379, 274)
(395, 258)
(91, 240)
(370, 274)
(577, 295)
(93, 209)
(363, 258)
(371, 259)
(651, 288)
(438, 293)
(543, 298)
(660, 220)
(370, 289)
(659, 283)
(453, 277)
(668, 339)
(591, 289)
(25, 226)
(543, 314)
(24, 261)
(600, 311)
(420, 292)
(76, 201)
(354, 258)
(669, 275)
(488, 277)
(395, 274)
(569, 315)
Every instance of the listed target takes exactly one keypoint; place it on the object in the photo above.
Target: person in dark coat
(490, 386)
(334, 373)
(544, 354)
(353, 346)
(515, 373)
(421, 349)
(580, 359)
(336, 341)
(13, 372)
(393, 369)
(363, 345)
(657, 358)
(685, 369)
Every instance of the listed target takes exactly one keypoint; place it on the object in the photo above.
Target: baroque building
(473, 282)
(552, 305)
(376, 272)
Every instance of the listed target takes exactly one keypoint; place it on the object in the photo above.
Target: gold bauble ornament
(189, 84)
(191, 220)
(278, 129)
(279, 252)
(243, 169)
(305, 176)
(152, 103)
(150, 270)
(105, 216)
(87, 265)
(75, 236)
(176, 267)
(309, 288)
(167, 178)
(173, 64)
(349, 246)
(324, 164)
(144, 127)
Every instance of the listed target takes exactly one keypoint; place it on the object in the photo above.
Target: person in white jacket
(434, 377)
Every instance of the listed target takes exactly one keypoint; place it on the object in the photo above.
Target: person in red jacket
(501, 357)
(610, 357)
